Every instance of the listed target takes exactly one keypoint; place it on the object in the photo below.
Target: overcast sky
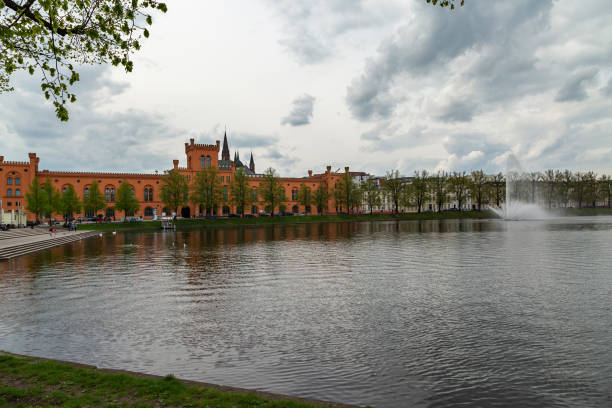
(375, 85)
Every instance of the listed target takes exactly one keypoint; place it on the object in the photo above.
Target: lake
(411, 313)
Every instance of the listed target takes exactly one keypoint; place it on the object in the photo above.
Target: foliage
(174, 190)
(458, 187)
(304, 196)
(35, 198)
(70, 202)
(94, 200)
(206, 189)
(393, 187)
(371, 194)
(126, 201)
(498, 187)
(271, 190)
(51, 199)
(478, 187)
(438, 188)
(240, 191)
(321, 197)
(420, 189)
(347, 193)
(53, 37)
(447, 3)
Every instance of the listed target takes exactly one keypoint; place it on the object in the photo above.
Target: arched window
(225, 193)
(9, 181)
(86, 192)
(17, 181)
(9, 192)
(207, 161)
(201, 162)
(294, 194)
(17, 192)
(148, 193)
(148, 212)
(109, 194)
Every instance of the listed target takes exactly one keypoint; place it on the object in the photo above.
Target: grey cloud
(387, 137)
(458, 111)
(607, 90)
(312, 28)
(462, 144)
(573, 89)
(301, 112)
(250, 140)
(430, 42)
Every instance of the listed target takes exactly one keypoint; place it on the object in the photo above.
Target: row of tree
(45, 200)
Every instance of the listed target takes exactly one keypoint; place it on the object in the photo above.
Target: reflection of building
(16, 177)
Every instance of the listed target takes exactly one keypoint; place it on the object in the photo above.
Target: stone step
(24, 249)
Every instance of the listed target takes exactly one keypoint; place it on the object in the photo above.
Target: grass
(222, 222)
(28, 382)
(586, 212)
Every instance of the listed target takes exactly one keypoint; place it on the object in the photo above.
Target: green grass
(28, 382)
(224, 222)
(586, 212)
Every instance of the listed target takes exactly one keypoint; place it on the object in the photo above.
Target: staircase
(38, 243)
(23, 232)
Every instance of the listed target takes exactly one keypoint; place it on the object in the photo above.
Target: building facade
(16, 177)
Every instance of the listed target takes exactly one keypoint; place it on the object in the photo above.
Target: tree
(533, 179)
(240, 191)
(606, 189)
(206, 190)
(458, 186)
(567, 182)
(174, 190)
(304, 196)
(478, 187)
(70, 202)
(420, 189)
(94, 199)
(51, 199)
(54, 36)
(35, 199)
(271, 190)
(321, 197)
(126, 201)
(447, 3)
(438, 185)
(371, 194)
(393, 186)
(549, 180)
(346, 192)
(498, 185)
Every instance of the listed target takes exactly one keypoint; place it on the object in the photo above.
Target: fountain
(521, 194)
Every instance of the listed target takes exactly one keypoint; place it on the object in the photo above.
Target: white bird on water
(100, 234)
(114, 232)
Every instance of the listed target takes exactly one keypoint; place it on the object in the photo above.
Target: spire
(237, 155)
(225, 151)
(252, 163)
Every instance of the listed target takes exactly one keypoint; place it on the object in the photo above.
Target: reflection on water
(427, 314)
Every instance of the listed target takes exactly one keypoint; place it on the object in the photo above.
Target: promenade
(17, 242)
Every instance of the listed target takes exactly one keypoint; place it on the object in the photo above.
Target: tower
(252, 164)
(225, 151)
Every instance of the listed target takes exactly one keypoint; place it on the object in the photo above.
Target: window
(17, 192)
(228, 179)
(254, 209)
(254, 195)
(17, 181)
(225, 193)
(148, 212)
(9, 204)
(9, 181)
(89, 213)
(222, 179)
(109, 194)
(9, 192)
(129, 213)
(294, 194)
(86, 193)
(201, 162)
(208, 161)
(110, 212)
(148, 194)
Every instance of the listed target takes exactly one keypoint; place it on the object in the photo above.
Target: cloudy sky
(372, 84)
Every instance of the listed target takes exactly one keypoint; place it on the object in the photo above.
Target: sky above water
(375, 85)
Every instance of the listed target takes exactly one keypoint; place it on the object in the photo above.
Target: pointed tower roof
(225, 151)
(252, 163)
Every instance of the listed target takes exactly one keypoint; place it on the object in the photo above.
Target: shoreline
(187, 224)
(70, 368)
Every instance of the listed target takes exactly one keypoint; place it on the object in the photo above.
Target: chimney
(1, 159)
(309, 173)
(346, 169)
(175, 161)
(218, 144)
(191, 141)
(328, 169)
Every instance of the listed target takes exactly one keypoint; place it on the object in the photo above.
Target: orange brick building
(16, 177)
